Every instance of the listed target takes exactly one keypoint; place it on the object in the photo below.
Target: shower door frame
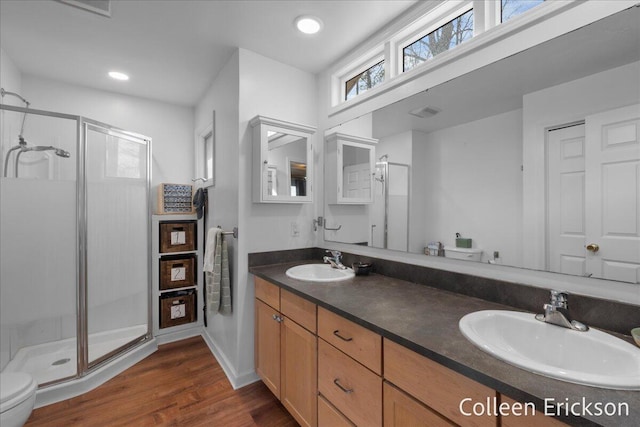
(82, 338)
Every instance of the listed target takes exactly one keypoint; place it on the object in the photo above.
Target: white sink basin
(591, 358)
(319, 273)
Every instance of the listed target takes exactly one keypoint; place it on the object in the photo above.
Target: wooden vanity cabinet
(286, 349)
(434, 385)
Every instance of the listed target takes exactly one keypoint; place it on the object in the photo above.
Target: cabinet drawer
(177, 272)
(328, 416)
(350, 387)
(434, 385)
(178, 236)
(537, 419)
(267, 292)
(402, 410)
(300, 310)
(358, 342)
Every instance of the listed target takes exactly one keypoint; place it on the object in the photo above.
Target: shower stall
(74, 244)
(389, 214)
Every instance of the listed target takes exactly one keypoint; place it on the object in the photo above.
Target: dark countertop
(425, 320)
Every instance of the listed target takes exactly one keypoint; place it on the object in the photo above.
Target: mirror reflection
(529, 162)
(286, 164)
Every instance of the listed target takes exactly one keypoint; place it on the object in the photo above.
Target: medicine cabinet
(349, 169)
(282, 161)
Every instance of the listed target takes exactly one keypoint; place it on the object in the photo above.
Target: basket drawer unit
(177, 272)
(178, 236)
(177, 308)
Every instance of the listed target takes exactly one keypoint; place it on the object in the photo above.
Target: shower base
(57, 360)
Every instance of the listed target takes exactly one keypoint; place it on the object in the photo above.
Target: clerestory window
(440, 40)
(364, 81)
(511, 8)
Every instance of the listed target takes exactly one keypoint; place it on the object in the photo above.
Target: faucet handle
(336, 254)
(559, 298)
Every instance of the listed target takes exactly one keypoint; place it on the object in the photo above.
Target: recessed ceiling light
(118, 75)
(308, 24)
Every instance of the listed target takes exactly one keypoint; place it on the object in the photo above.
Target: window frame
(200, 151)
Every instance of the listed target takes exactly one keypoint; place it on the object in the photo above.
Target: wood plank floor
(179, 385)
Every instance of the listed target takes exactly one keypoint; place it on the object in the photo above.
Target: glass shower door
(38, 245)
(117, 263)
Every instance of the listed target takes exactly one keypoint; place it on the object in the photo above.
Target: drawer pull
(277, 318)
(337, 333)
(346, 390)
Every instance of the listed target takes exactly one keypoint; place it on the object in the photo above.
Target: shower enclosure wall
(75, 257)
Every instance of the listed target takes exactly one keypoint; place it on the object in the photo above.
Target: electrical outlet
(295, 229)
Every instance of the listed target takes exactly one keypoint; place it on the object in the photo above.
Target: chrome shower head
(58, 151)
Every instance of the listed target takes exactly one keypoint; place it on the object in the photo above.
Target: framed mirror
(283, 161)
(485, 156)
(349, 169)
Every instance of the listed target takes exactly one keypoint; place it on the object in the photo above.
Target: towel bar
(234, 232)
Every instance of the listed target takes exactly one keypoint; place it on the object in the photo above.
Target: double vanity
(378, 350)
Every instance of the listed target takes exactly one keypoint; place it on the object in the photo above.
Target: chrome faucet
(557, 313)
(334, 259)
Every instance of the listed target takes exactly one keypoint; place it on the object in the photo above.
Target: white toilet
(17, 397)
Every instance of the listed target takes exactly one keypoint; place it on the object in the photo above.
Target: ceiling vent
(101, 7)
(424, 112)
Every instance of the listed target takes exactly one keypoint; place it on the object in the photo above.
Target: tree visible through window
(444, 38)
(511, 8)
(362, 82)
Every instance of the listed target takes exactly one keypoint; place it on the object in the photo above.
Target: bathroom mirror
(473, 156)
(282, 161)
(350, 169)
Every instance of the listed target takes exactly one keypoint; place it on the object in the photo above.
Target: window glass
(362, 82)
(444, 38)
(208, 156)
(511, 8)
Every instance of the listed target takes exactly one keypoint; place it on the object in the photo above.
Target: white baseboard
(237, 380)
(178, 335)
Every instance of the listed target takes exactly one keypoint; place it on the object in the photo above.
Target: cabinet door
(401, 410)
(526, 418)
(267, 346)
(328, 416)
(299, 373)
(438, 387)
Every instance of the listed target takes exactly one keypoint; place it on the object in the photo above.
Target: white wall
(479, 192)
(248, 85)
(11, 81)
(169, 126)
(10, 78)
(271, 89)
(222, 96)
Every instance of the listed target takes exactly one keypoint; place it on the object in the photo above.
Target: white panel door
(612, 198)
(357, 181)
(566, 204)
